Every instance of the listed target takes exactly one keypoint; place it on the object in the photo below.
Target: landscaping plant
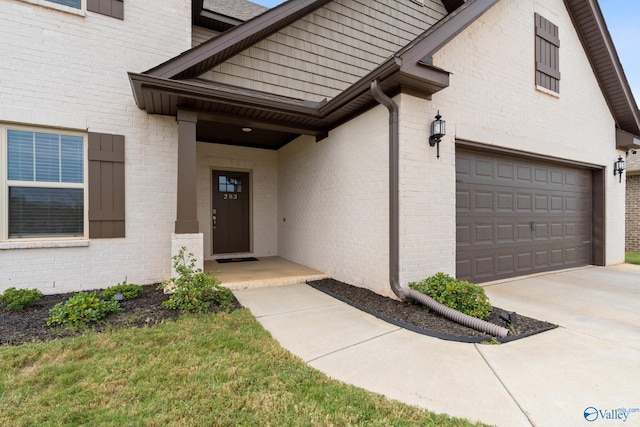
(128, 291)
(19, 299)
(194, 290)
(81, 309)
(457, 294)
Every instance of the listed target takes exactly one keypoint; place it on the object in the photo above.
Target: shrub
(128, 291)
(457, 294)
(19, 299)
(81, 309)
(193, 290)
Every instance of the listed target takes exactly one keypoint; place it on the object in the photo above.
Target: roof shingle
(243, 10)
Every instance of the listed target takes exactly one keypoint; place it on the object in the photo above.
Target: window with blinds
(45, 184)
(547, 54)
(76, 4)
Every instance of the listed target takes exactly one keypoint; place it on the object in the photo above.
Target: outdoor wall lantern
(438, 130)
(618, 168)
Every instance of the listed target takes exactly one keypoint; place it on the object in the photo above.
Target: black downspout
(394, 209)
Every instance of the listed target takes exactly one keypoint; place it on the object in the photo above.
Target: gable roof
(597, 42)
(174, 83)
(158, 92)
(203, 57)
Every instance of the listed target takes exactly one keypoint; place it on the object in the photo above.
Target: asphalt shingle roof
(238, 9)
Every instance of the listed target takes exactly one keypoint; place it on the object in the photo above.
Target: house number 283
(230, 196)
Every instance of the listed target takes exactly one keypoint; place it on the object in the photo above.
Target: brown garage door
(516, 216)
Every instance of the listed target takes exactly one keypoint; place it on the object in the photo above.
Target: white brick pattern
(68, 71)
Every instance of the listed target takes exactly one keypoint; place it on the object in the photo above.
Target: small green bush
(128, 291)
(193, 290)
(80, 310)
(19, 299)
(457, 294)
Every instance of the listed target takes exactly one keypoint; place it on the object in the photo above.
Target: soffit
(596, 40)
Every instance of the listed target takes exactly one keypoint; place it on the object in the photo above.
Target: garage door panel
(463, 200)
(524, 262)
(541, 202)
(506, 264)
(541, 175)
(506, 233)
(505, 201)
(463, 267)
(524, 173)
(484, 168)
(525, 203)
(505, 171)
(525, 216)
(463, 235)
(484, 233)
(483, 201)
(557, 257)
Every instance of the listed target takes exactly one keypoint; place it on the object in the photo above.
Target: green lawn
(632, 257)
(202, 370)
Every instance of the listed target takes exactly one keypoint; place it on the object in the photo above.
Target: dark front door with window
(230, 219)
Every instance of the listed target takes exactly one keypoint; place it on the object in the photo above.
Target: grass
(632, 257)
(213, 370)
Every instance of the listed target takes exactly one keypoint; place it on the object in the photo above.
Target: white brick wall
(493, 100)
(64, 70)
(427, 196)
(333, 212)
(263, 174)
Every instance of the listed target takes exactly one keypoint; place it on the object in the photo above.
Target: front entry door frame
(230, 219)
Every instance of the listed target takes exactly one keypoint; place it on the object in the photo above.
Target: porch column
(186, 215)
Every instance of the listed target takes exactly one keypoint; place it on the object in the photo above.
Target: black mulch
(416, 318)
(30, 325)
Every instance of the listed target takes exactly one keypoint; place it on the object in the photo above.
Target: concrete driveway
(586, 372)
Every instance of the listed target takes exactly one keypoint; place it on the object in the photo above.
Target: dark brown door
(230, 212)
(516, 216)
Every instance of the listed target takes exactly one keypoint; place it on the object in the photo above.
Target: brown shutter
(106, 186)
(113, 8)
(547, 54)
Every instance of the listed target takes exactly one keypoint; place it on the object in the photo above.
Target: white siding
(330, 49)
(200, 35)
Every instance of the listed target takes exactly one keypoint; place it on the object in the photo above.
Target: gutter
(394, 229)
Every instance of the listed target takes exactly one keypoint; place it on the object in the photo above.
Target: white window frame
(62, 8)
(5, 183)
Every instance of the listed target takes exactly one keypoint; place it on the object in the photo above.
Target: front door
(230, 212)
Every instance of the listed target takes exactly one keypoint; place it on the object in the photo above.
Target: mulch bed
(30, 325)
(416, 318)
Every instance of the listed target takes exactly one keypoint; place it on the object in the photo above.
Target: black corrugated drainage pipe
(394, 227)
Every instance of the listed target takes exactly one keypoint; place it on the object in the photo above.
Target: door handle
(533, 226)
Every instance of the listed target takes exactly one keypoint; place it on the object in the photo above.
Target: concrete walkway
(583, 371)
